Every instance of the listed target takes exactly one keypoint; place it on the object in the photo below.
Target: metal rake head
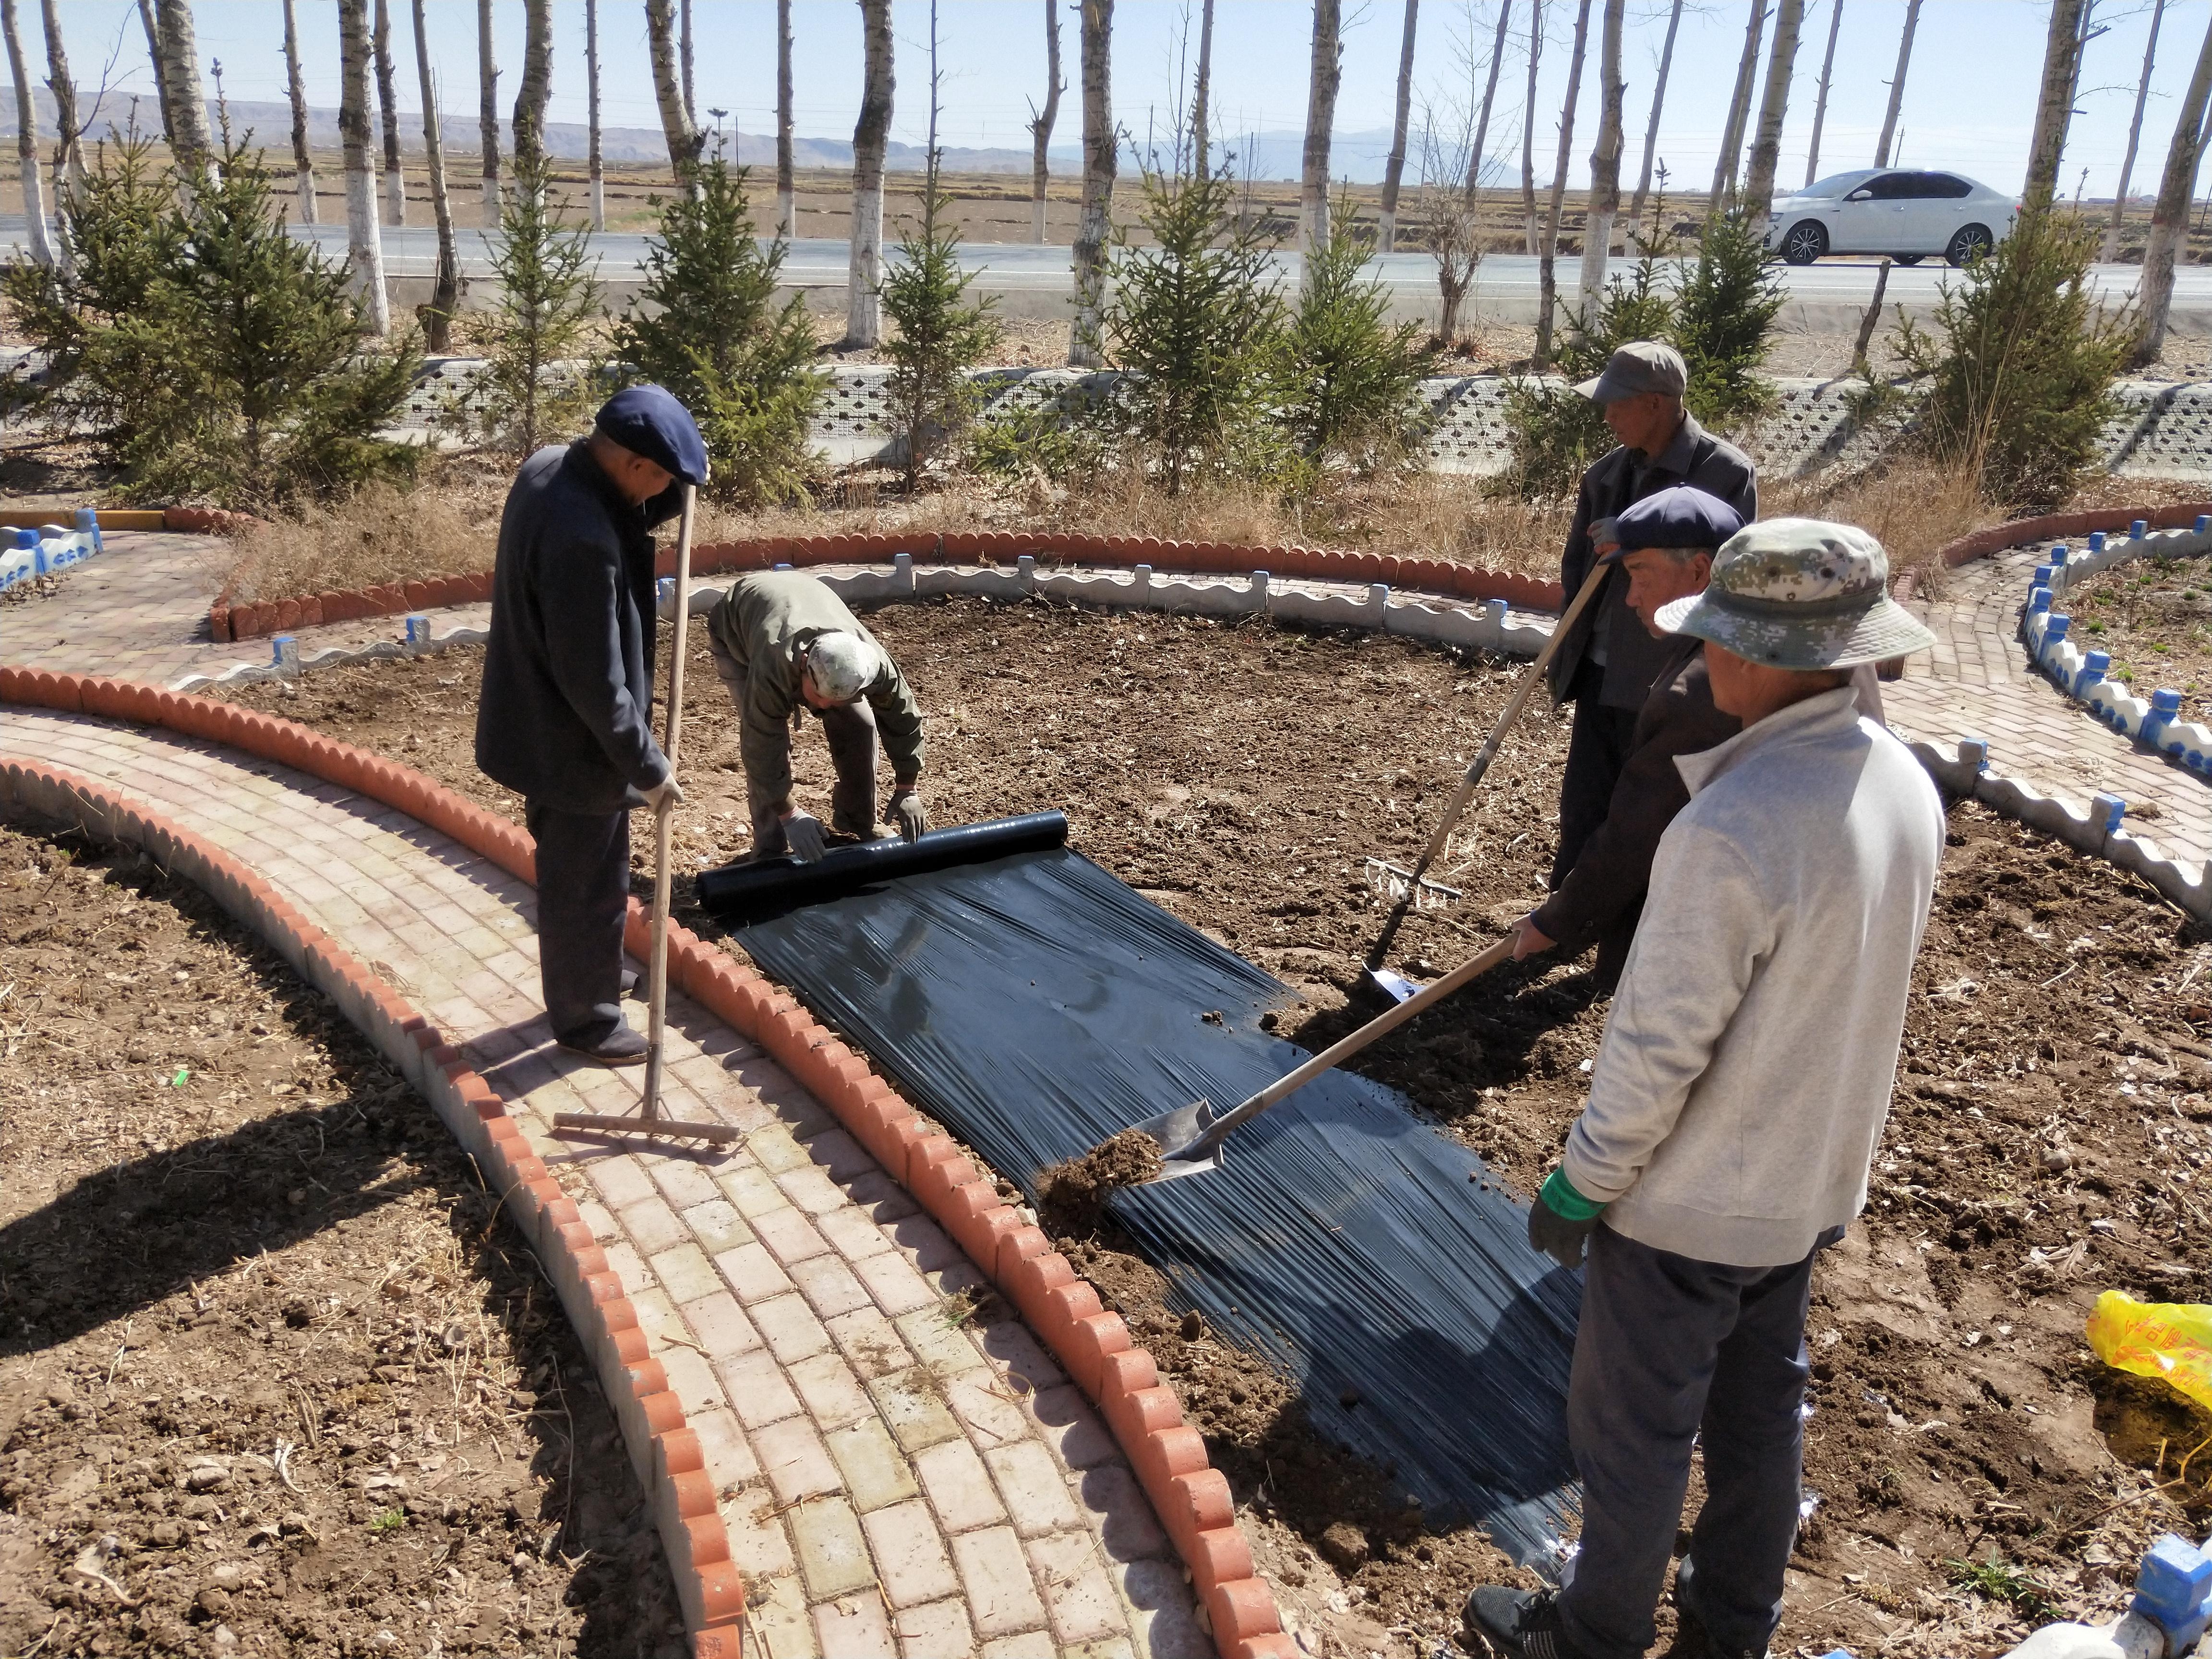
(1395, 881)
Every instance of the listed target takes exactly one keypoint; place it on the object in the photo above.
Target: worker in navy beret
(566, 717)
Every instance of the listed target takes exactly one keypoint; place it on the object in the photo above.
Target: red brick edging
(1167, 1455)
(226, 621)
(2019, 532)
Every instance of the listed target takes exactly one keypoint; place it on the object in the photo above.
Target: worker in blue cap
(566, 717)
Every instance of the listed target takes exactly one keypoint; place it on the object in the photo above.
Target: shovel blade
(1187, 1143)
(1396, 986)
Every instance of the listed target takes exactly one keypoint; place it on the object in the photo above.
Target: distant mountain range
(1274, 154)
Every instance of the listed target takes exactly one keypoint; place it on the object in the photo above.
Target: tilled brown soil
(2049, 1138)
(2155, 618)
(274, 1378)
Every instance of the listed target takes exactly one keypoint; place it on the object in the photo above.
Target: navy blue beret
(1679, 517)
(648, 421)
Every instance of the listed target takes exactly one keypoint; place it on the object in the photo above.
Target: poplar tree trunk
(1746, 71)
(1321, 124)
(446, 292)
(180, 54)
(1201, 108)
(685, 139)
(387, 100)
(2169, 219)
(488, 114)
(1489, 97)
(684, 45)
(863, 277)
(1821, 103)
(1605, 161)
(2054, 107)
(1040, 120)
(364, 247)
(530, 93)
(1394, 170)
(159, 59)
(1896, 84)
(596, 166)
(786, 211)
(1084, 347)
(27, 142)
(69, 153)
(1774, 107)
(1547, 280)
(303, 161)
(1529, 126)
(2111, 249)
(1652, 126)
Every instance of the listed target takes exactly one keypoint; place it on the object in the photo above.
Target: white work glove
(664, 794)
(802, 833)
(907, 813)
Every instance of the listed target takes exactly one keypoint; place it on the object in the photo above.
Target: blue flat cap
(1679, 517)
(648, 421)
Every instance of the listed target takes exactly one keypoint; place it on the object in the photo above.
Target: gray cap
(1799, 593)
(1640, 366)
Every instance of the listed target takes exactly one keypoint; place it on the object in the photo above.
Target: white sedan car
(1906, 214)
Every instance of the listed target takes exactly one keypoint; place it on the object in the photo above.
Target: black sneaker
(1696, 1639)
(1520, 1624)
(620, 1047)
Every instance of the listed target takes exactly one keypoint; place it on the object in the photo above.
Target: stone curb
(2052, 526)
(228, 622)
(1168, 1456)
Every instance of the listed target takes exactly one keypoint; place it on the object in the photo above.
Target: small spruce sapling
(532, 390)
(1725, 310)
(941, 333)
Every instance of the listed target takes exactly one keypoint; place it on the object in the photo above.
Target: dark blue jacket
(565, 718)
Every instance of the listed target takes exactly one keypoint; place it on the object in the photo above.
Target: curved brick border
(2056, 527)
(228, 622)
(1168, 1456)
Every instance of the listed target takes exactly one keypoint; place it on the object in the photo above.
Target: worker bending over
(1664, 544)
(1735, 1103)
(1607, 666)
(783, 643)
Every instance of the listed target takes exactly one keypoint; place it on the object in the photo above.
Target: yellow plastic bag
(2171, 1340)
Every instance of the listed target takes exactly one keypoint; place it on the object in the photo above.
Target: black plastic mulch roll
(748, 892)
(1035, 1005)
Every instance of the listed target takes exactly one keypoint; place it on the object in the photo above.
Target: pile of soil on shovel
(2050, 1137)
(273, 1377)
(1071, 1195)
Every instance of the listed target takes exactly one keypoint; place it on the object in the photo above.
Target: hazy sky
(1969, 99)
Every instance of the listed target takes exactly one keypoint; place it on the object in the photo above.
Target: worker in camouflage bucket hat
(1734, 1105)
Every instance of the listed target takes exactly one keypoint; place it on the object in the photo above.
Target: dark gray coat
(565, 719)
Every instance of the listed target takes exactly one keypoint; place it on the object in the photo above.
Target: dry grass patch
(378, 535)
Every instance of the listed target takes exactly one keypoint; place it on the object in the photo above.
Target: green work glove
(1561, 1220)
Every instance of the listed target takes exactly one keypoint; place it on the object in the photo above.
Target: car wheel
(1804, 242)
(1908, 258)
(1972, 242)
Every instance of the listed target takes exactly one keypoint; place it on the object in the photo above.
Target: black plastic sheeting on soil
(1035, 1005)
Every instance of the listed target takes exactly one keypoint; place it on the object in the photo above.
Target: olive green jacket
(759, 626)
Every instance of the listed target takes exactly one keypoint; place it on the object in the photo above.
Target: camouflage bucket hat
(1799, 593)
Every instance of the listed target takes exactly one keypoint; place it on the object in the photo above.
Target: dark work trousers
(850, 729)
(1596, 752)
(1669, 1350)
(583, 892)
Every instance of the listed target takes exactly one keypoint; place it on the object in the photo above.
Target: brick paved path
(1977, 682)
(899, 1476)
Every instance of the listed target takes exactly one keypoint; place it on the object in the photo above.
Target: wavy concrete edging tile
(1145, 1415)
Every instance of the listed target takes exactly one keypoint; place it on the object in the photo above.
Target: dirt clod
(1071, 1195)
(1346, 1546)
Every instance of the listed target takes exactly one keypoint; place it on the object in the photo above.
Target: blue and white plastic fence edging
(25, 555)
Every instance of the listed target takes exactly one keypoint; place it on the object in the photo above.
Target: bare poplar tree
(2169, 218)
(1774, 107)
(1201, 107)
(690, 83)
(1821, 103)
(303, 161)
(1529, 126)
(1651, 126)
(595, 162)
(69, 148)
(1896, 84)
(1040, 120)
(1085, 349)
(181, 63)
(2111, 247)
(1394, 170)
(1489, 97)
(488, 114)
(1321, 124)
(786, 211)
(2054, 106)
(159, 59)
(27, 142)
(1746, 71)
(445, 291)
(1605, 159)
(364, 247)
(865, 274)
(681, 132)
(387, 100)
(1547, 279)
(532, 90)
